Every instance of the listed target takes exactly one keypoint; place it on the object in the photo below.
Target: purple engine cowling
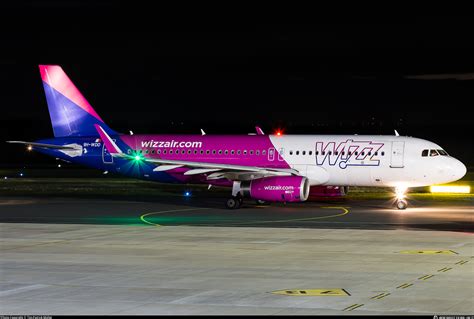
(277, 188)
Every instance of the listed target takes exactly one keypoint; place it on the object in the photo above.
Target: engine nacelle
(328, 191)
(277, 188)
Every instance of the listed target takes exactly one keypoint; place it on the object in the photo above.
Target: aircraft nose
(458, 169)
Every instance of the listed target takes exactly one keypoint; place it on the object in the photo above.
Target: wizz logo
(348, 153)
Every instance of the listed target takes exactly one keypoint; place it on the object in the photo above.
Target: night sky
(168, 73)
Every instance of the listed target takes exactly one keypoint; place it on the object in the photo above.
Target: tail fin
(71, 114)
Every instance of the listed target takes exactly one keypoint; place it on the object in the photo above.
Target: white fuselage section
(368, 160)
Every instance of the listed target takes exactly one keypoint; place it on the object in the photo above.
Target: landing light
(400, 192)
(187, 194)
(29, 148)
(451, 189)
(137, 157)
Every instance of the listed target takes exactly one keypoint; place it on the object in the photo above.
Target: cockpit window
(424, 153)
(442, 152)
(433, 153)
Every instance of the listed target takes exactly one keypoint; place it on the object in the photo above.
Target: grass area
(92, 183)
(137, 189)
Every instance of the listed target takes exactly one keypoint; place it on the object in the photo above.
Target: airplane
(265, 168)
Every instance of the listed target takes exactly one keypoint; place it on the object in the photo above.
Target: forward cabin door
(396, 160)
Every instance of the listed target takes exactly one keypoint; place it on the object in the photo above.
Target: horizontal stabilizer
(42, 145)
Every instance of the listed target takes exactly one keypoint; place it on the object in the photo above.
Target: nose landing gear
(401, 202)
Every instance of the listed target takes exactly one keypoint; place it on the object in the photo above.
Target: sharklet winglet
(112, 148)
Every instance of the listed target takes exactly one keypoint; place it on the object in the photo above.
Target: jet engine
(277, 189)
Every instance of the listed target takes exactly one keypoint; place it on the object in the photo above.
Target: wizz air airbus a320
(271, 168)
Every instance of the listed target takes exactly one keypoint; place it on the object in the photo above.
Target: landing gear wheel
(261, 202)
(402, 204)
(233, 203)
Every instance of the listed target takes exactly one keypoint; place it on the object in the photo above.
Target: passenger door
(106, 156)
(396, 160)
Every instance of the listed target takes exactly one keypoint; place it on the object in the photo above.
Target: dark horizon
(413, 75)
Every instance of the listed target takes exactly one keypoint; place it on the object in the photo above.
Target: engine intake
(277, 188)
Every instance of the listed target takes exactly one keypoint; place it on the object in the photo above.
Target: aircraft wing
(215, 168)
(42, 145)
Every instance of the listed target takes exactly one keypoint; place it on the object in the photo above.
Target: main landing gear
(234, 202)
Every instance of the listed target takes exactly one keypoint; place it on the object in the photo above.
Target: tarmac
(192, 256)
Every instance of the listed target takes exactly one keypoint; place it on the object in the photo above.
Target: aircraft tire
(401, 204)
(233, 203)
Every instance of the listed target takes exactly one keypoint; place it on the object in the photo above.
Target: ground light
(451, 189)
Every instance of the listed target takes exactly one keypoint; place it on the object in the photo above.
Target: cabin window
(220, 152)
(297, 152)
(158, 151)
(232, 152)
(183, 152)
(291, 152)
(363, 153)
(424, 153)
(195, 151)
(251, 152)
(383, 153)
(356, 153)
(304, 152)
(201, 151)
(226, 152)
(213, 151)
(129, 151)
(208, 151)
(257, 152)
(152, 151)
(245, 152)
(238, 152)
(376, 153)
(310, 153)
(264, 152)
(330, 152)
